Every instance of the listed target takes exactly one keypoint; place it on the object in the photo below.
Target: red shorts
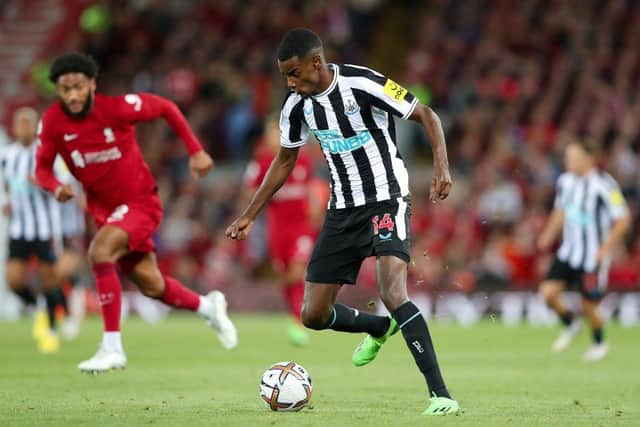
(289, 248)
(139, 219)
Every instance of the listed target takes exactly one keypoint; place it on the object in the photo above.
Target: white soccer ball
(285, 386)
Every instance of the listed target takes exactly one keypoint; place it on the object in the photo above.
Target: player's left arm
(142, 107)
(387, 95)
(617, 207)
(441, 182)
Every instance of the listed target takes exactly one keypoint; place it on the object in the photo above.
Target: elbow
(625, 223)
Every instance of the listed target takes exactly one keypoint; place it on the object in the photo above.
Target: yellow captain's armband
(394, 90)
(616, 198)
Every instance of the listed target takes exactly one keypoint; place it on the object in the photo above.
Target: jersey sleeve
(382, 92)
(46, 152)
(293, 128)
(613, 199)
(561, 184)
(142, 107)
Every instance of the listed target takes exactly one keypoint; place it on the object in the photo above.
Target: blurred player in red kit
(289, 229)
(95, 135)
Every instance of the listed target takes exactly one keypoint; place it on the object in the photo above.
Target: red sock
(179, 296)
(294, 294)
(109, 294)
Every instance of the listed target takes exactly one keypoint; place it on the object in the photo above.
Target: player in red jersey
(95, 135)
(289, 229)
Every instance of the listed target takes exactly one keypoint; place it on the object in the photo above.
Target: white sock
(205, 307)
(111, 341)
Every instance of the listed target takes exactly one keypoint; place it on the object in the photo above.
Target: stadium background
(510, 80)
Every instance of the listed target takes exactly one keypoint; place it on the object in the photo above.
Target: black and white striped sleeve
(612, 197)
(561, 191)
(383, 92)
(293, 128)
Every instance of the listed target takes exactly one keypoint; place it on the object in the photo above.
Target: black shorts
(350, 235)
(24, 249)
(592, 286)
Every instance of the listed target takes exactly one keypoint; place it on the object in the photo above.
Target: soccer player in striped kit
(592, 215)
(350, 110)
(34, 226)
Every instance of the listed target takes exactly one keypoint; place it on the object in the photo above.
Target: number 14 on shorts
(380, 225)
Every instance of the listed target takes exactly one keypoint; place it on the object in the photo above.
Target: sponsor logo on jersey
(103, 156)
(331, 140)
(69, 136)
(81, 161)
(577, 216)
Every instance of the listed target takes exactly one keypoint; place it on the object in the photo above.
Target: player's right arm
(45, 157)
(276, 176)
(293, 134)
(554, 225)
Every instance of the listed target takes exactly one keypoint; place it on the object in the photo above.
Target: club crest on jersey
(351, 106)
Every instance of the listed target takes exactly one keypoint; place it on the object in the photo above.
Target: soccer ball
(285, 386)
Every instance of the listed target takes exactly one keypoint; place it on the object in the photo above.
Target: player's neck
(26, 143)
(326, 77)
(587, 170)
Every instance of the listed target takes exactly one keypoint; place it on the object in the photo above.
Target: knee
(100, 253)
(314, 318)
(151, 286)
(548, 291)
(155, 292)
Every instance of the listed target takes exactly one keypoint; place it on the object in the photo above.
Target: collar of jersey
(333, 82)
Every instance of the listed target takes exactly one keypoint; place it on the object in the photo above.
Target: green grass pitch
(178, 375)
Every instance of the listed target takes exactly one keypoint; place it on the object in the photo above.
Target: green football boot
(297, 335)
(368, 349)
(442, 406)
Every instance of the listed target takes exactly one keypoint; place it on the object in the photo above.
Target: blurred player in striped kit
(34, 226)
(592, 215)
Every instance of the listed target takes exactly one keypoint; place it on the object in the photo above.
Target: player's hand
(440, 183)
(200, 164)
(240, 228)
(64, 192)
(6, 209)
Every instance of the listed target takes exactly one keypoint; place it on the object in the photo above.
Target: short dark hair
(298, 42)
(73, 63)
(588, 144)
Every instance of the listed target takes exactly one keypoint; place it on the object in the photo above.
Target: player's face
(576, 159)
(303, 75)
(24, 128)
(75, 91)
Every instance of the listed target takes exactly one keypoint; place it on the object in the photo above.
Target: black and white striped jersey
(590, 203)
(35, 214)
(353, 122)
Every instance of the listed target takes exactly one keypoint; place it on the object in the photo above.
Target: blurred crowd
(511, 80)
(514, 81)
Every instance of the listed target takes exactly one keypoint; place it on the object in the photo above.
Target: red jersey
(288, 209)
(101, 150)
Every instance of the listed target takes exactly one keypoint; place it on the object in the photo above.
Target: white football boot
(596, 352)
(104, 360)
(218, 319)
(566, 337)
